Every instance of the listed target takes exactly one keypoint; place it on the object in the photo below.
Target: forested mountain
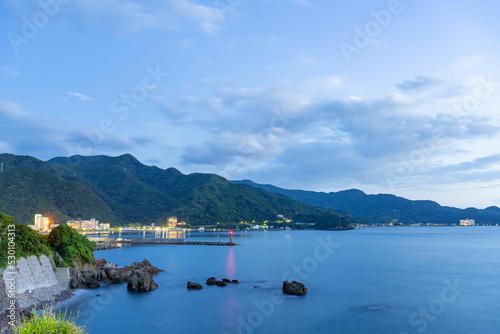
(384, 208)
(123, 190)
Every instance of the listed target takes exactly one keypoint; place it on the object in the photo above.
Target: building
(467, 222)
(172, 222)
(91, 224)
(42, 223)
(104, 226)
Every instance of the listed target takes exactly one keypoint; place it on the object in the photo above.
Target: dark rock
(220, 283)
(87, 276)
(226, 280)
(98, 295)
(294, 288)
(141, 280)
(104, 246)
(235, 281)
(82, 275)
(211, 281)
(121, 275)
(256, 286)
(193, 285)
(93, 283)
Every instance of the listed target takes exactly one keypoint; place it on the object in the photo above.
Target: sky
(396, 96)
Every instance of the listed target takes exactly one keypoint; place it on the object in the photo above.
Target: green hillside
(25, 192)
(122, 190)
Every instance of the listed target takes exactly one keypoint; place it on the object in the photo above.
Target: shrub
(66, 241)
(49, 322)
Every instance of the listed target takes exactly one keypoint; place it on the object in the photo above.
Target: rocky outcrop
(105, 246)
(211, 281)
(220, 283)
(195, 286)
(223, 282)
(101, 272)
(141, 280)
(294, 288)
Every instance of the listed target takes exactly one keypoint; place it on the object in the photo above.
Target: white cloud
(135, 15)
(5, 72)
(81, 96)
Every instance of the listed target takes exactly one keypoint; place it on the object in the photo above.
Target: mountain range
(385, 208)
(121, 190)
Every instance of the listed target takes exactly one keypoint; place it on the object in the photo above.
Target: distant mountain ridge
(384, 208)
(122, 190)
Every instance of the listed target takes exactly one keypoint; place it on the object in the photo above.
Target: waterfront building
(79, 224)
(467, 222)
(172, 222)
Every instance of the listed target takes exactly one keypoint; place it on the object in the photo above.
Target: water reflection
(230, 267)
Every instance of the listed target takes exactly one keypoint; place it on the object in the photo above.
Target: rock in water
(235, 281)
(294, 288)
(226, 280)
(220, 283)
(122, 275)
(193, 285)
(211, 281)
(141, 280)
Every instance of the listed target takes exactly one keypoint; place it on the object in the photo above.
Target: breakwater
(160, 241)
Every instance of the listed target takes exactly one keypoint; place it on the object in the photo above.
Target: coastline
(40, 297)
(37, 299)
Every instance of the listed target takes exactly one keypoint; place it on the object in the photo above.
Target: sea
(383, 280)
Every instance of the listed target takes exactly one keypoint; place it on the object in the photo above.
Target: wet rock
(220, 283)
(294, 288)
(235, 281)
(211, 281)
(121, 275)
(86, 276)
(141, 280)
(226, 280)
(193, 285)
(93, 283)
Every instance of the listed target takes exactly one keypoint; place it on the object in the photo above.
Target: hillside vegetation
(122, 190)
(64, 240)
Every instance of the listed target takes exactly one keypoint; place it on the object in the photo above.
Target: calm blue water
(374, 280)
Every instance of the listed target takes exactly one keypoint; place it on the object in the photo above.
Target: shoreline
(37, 299)
(40, 297)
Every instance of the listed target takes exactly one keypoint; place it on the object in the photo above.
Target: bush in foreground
(49, 322)
(70, 244)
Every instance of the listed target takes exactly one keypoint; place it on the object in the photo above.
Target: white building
(42, 223)
(467, 222)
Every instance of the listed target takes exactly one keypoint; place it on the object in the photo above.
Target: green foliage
(105, 187)
(27, 241)
(30, 186)
(49, 322)
(325, 221)
(70, 245)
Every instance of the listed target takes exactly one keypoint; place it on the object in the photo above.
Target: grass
(49, 322)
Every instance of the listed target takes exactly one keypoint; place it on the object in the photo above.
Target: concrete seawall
(31, 273)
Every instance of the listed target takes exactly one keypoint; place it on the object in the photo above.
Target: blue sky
(385, 96)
